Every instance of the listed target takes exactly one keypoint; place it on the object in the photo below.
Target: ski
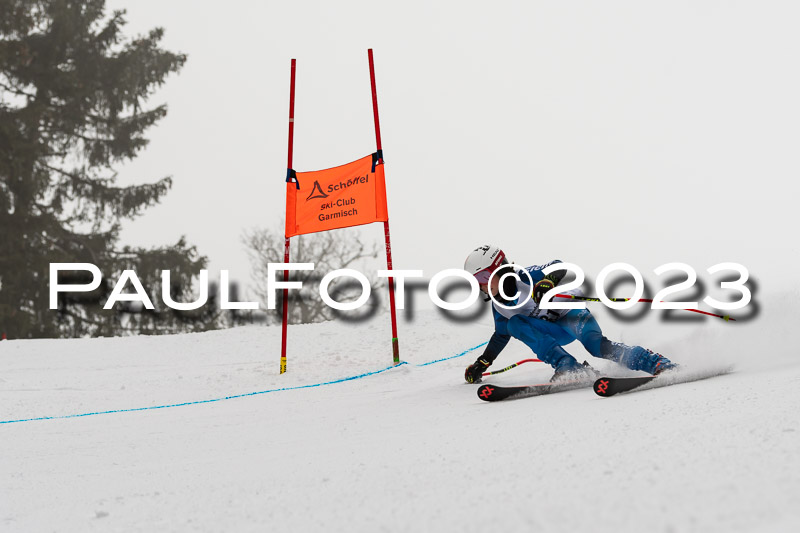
(607, 386)
(494, 393)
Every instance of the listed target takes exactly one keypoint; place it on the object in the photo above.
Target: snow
(410, 448)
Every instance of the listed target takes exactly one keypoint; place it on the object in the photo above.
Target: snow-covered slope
(411, 448)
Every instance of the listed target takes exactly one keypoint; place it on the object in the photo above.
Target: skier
(545, 331)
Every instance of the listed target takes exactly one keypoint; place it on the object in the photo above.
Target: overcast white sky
(593, 132)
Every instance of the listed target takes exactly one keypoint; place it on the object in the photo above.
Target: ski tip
(485, 392)
(600, 386)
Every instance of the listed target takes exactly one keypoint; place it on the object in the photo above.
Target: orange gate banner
(339, 197)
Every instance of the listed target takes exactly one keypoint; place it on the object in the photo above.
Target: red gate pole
(395, 345)
(285, 320)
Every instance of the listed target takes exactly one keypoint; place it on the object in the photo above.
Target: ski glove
(475, 371)
(541, 288)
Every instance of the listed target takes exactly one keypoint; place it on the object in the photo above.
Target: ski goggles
(483, 275)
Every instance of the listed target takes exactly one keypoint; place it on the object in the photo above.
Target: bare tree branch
(328, 251)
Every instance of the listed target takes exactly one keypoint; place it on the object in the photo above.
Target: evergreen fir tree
(73, 91)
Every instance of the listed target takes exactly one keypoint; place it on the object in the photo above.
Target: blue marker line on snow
(197, 402)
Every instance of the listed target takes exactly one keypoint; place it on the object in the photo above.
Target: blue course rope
(232, 397)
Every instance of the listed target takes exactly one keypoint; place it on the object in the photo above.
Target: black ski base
(494, 393)
(611, 386)
(606, 386)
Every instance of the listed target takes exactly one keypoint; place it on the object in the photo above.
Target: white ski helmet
(484, 260)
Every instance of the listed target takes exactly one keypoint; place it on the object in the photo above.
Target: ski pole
(512, 366)
(642, 300)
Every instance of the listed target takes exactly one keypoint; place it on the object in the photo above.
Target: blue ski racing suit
(546, 331)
